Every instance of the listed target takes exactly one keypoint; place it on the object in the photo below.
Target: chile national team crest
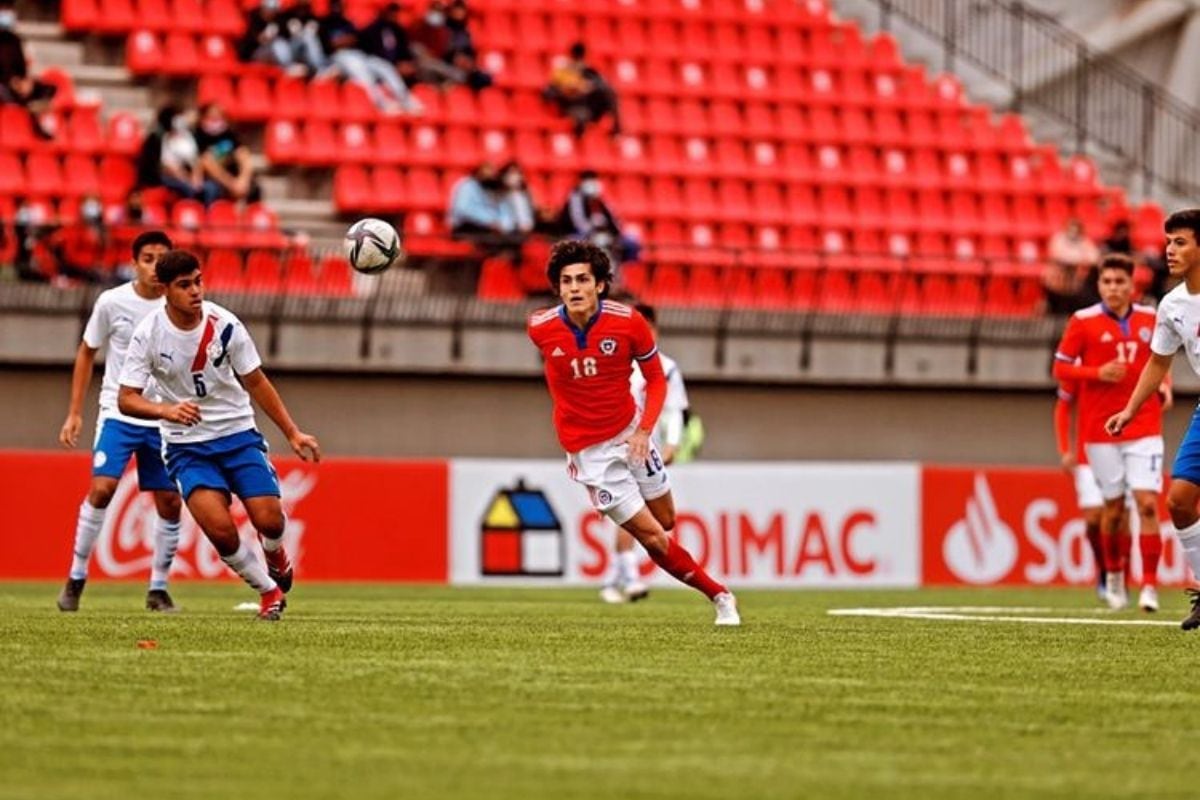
(608, 346)
(521, 535)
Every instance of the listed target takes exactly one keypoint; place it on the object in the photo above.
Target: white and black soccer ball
(372, 246)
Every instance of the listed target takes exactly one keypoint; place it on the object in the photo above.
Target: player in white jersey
(119, 437)
(624, 582)
(1177, 324)
(206, 368)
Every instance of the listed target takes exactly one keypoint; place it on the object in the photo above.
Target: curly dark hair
(174, 264)
(573, 251)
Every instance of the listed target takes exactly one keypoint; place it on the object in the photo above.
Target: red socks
(1113, 552)
(1151, 547)
(681, 566)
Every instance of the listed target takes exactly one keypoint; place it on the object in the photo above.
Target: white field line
(993, 614)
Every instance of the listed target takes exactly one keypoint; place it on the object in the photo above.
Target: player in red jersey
(1104, 348)
(1075, 463)
(589, 345)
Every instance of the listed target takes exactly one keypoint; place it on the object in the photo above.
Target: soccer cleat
(612, 595)
(1115, 594)
(159, 600)
(727, 610)
(271, 605)
(1193, 619)
(279, 567)
(1148, 599)
(68, 598)
(636, 591)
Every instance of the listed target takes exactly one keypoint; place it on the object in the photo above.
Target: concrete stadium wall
(399, 416)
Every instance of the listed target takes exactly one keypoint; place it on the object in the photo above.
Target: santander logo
(981, 547)
(126, 542)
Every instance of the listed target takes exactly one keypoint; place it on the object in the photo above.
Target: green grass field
(387, 692)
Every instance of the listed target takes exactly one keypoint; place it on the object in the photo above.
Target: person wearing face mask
(586, 216)
(341, 39)
(78, 247)
(17, 86)
(527, 216)
(223, 157)
(170, 157)
(387, 38)
(478, 212)
(581, 93)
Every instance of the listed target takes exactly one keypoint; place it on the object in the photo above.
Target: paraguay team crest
(521, 535)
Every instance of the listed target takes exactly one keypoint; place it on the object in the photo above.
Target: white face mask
(180, 124)
(8, 19)
(435, 18)
(590, 188)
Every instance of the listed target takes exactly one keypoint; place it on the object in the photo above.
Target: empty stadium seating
(773, 155)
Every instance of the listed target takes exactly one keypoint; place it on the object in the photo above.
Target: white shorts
(1127, 466)
(1087, 490)
(617, 489)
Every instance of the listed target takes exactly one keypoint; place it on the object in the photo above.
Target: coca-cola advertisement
(346, 520)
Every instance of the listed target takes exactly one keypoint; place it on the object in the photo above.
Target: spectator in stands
(581, 93)
(1072, 256)
(78, 247)
(528, 217)
(16, 84)
(340, 37)
(479, 214)
(386, 38)
(587, 216)
(286, 39)
(170, 157)
(444, 50)
(223, 157)
(1119, 239)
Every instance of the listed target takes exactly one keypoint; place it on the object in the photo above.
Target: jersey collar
(580, 333)
(1122, 321)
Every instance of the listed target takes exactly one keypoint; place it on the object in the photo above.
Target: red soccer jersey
(1094, 337)
(587, 370)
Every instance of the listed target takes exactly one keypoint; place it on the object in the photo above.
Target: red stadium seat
(143, 53)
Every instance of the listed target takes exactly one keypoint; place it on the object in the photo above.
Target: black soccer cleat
(159, 600)
(68, 598)
(284, 579)
(1193, 619)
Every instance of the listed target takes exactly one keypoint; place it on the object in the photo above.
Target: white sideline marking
(992, 614)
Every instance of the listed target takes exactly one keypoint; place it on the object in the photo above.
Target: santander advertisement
(992, 525)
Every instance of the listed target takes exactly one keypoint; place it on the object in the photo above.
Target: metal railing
(1053, 71)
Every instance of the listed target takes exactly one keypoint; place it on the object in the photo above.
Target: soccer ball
(372, 246)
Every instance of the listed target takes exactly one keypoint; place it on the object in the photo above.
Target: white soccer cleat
(1148, 599)
(1115, 595)
(636, 591)
(612, 595)
(727, 611)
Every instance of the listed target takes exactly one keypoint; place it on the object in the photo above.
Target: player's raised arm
(264, 393)
(1151, 379)
(81, 378)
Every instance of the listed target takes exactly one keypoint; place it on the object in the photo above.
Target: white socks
(249, 568)
(271, 545)
(166, 542)
(627, 567)
(87, 528)
(1189, 538)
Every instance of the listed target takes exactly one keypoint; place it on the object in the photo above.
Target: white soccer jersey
(200, 366)
(115, 315)
(669, 430)
(1177, 324)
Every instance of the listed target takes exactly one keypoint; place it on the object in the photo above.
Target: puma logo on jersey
(558, 351)
(166, 357)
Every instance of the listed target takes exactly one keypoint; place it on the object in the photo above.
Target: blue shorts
(117, 441)
(1187, 457)
(234, 464)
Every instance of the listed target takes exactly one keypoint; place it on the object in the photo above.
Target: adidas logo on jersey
(557, 352)
(1107, 337)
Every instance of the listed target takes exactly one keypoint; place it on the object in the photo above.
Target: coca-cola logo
(125, 545)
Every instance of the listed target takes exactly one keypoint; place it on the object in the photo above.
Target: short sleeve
(243, 355)
(1070, 348)
(135, 371)
(642, 338)
(1166, 339)
(95, 334)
